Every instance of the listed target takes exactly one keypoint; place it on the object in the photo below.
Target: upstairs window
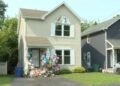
(58, 30)
(62, 28)
(66, 30)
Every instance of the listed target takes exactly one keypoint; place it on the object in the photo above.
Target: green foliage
(85, 24)
(8, 42)
(65, 71)
(2, 9)
(79, 70)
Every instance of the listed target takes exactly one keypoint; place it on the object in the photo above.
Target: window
(59, 54)
(88, 59)
(66, 30)
(62, 30)
(62, 27)
(58, 31)
(64, 56)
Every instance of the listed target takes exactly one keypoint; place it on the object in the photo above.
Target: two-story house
(101, 45)
(55, 32)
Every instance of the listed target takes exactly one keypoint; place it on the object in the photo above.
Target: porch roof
(38, 41)
(115, 42)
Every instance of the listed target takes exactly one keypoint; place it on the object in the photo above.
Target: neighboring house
(55, 32)
(101, 45)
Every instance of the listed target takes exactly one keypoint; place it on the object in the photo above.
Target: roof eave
(36, 18)
(92, 33)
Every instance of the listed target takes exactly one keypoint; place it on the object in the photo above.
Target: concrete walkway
(53, 81)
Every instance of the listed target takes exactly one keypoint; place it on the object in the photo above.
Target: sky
(92, 10)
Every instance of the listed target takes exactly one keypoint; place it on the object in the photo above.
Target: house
(55, 32)
(101, 45)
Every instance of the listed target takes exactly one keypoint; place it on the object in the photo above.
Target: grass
(94, 79)
(5, 80)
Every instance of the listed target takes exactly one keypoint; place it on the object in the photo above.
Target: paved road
(54, 81)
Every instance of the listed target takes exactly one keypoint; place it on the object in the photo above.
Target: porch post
(113, 51)
(106, 59)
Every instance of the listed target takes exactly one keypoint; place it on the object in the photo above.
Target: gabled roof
(30, 13)
(102, 26)
(62, 4)
(38, 14)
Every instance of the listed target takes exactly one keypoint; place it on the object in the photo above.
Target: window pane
(66, 33)
(66, 52)
(66, 30)
(66, 27)
(58, 31)
(59, 54)
(60, 60)
(66, 59)
(58, 27)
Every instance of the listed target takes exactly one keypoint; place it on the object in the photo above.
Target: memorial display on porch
(48, 65)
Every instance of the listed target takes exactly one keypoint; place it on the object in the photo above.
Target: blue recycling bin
(18, 71)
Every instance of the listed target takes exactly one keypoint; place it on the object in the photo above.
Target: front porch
(35, 55)
(112, 57)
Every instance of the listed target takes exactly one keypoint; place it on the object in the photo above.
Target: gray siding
(114, 31)
(96, 47)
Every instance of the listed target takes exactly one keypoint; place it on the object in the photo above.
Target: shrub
(79, 70)
(65, 71)
(118, 70)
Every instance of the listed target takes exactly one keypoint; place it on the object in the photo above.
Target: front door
(35, 57)
(111, 59)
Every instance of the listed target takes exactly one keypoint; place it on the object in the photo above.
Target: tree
(9, 43)
(2, 9)
(85, 24)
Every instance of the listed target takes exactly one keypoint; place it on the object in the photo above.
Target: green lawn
(5, 80)
(94, 79)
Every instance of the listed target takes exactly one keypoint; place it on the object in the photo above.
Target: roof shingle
(100, 27)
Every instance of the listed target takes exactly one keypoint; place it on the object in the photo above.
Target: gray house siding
(114, 31)
(96, 47)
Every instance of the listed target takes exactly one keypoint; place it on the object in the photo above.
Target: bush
(65, 71)
(118, 70)
(79, 70)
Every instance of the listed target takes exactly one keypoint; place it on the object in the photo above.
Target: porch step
(110, 70)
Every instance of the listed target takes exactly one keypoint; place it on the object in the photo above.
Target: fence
(3, 68)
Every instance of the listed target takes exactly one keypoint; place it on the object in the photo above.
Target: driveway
(53, 81)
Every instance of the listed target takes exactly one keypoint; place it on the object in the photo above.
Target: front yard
(5, 80)
(87, 79)
(94, 79)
